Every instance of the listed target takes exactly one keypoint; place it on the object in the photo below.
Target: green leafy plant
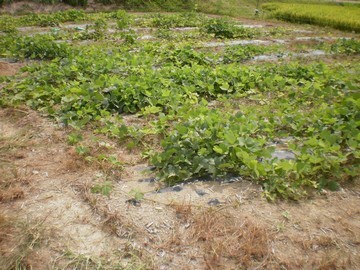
(346, 46)
(122, 19)
(82, 150)
(129, 37)
(74, 138)
(137, 194)
(212, 145)
(104, 188)
(7, 25)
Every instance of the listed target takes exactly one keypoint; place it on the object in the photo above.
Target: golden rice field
(340, 17)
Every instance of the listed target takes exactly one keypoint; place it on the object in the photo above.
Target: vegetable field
(213, 115)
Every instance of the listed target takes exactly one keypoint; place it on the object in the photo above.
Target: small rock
(214, 202)
(283, 154)
(161, 253)
(149, 224)
(177, 188)
(200, 192)
(147, 180)
(133, 202)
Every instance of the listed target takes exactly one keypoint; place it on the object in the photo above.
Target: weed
(12, 180)
(103, 188)
(183, 212)
(79, 261)
(74, 138)
(129, 37)
(122, 19)
(137, 194)
(82, 150)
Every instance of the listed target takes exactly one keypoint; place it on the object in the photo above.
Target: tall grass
(345, 17)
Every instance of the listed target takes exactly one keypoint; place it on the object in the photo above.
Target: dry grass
(95, 153)
(11, 194)
(226, 239)
(18, 239)
(70, 260)
(112, 221)
(183, 211)
(327, 252)
(12, 180)
(223, 240)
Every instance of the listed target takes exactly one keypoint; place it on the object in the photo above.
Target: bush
(223, 28)
(122, 19)
(40, 47)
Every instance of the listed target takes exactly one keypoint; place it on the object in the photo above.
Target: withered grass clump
(183, 211)
(113, 221)
(11, 180)
(225, 238)
(18, 239)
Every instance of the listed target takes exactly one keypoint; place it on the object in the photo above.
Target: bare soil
(9, 69)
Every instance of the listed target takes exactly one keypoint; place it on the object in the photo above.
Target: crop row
(9, 23)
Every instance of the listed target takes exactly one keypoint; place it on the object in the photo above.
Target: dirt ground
(51, 218)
